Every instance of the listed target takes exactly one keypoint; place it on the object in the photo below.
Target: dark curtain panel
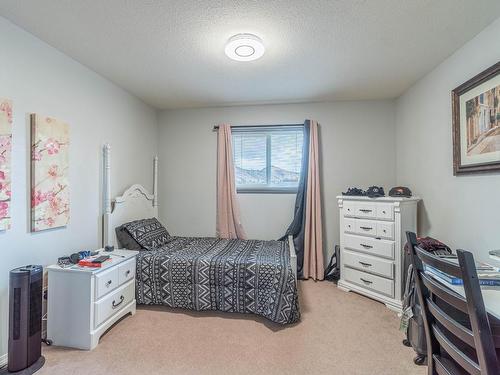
(297, 227)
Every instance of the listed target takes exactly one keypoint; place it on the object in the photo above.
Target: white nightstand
(84, 302)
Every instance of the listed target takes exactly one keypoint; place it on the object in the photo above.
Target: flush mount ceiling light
(244, 47)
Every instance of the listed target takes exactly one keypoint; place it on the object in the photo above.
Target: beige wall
(357, 149)
(40, 79)
(463, 211)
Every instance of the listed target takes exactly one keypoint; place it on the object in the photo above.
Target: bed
(200, 273)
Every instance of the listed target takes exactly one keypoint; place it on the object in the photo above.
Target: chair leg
(420, 360)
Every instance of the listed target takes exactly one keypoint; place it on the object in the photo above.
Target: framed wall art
(5, 162)
(476, 123)
(49, 173)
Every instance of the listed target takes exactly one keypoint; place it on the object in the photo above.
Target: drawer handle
(366, 246)
(115, 305)
(366, 281)
(109, 283)
(365, 264)
(366, 228)
(365, 210)
(127, 273)
(383, 212)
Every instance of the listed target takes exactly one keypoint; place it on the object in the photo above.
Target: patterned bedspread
(245, 276)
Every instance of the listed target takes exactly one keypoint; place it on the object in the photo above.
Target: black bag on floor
(415, 331)
(332, 271)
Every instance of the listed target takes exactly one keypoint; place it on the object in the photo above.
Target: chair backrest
(457, 329)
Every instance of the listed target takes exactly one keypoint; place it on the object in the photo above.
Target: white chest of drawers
(85, 302)
(372, 237)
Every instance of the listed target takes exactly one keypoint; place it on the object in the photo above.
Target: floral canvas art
(5, 157)
(49, 173)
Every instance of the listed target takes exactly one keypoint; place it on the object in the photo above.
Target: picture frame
(50, 196)
(6, 121)
(476, 123)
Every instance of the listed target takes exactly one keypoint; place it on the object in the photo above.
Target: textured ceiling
(171, 53)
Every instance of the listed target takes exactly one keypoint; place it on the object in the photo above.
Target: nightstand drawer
(375, 283)
(105, 282)
(113, 303)
(126, 271)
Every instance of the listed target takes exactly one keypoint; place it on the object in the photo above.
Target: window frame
(266, 130)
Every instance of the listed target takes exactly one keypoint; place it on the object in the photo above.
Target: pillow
(125, 239)
(149, 233)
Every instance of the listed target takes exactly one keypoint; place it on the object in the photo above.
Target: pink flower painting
(5, 160)
(50, 186)
(52, 146)
(53, 171)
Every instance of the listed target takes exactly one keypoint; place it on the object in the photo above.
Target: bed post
(155, 182)
(106, 237)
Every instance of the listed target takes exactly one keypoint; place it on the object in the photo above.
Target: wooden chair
(454, 346)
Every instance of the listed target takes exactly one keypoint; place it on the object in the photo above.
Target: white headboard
(134, 204)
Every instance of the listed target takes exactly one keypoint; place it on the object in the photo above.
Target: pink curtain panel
(313, 238)
(228, 209)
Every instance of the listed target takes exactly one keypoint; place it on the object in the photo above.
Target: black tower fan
(25, 319)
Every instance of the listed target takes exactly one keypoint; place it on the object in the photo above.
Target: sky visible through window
(259, 153)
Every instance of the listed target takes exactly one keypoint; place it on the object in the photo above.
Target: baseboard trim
(3, 360)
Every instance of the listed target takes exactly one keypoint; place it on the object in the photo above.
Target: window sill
(266, 190)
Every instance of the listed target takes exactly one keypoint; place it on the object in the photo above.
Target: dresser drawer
(385, 230)
(366, 227)
(349, 209)
(126, 271)
(373, 246)
(368, 281)
(366, 210)
(382, 229)
(369, 210)
(105, 282)
(369, 264)
(113, 303)
(349, 225)
(385, 211)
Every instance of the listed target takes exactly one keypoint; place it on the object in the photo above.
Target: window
(267, 158)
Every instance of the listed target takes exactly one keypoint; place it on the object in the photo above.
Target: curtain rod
(216, 127)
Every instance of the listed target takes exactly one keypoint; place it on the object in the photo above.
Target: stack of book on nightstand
(95, 262)
(487, 274)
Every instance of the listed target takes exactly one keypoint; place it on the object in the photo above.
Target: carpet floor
(339, 333)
